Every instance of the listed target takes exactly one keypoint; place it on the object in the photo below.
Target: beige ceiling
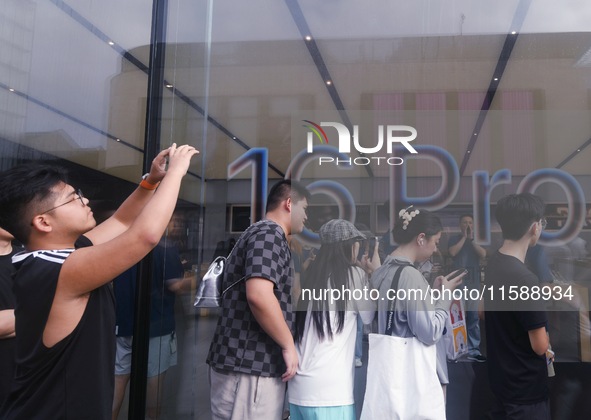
(258, 89)
(424, 64)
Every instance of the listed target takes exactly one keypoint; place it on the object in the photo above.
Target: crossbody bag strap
(228, 257)
(392, 303)
(232, 285)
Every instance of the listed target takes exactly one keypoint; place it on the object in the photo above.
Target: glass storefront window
(494, 98)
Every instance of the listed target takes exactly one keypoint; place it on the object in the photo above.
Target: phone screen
(371, 247)
(362, 249)
(367, 246)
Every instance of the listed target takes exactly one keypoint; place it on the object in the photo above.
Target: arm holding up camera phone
(469, 234)
(370, 259)
(479, 250)
(466, 235)
(308, 261)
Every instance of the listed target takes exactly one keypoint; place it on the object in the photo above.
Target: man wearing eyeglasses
(516, 329)
(65, 314)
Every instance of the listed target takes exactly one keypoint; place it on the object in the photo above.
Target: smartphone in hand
(362, 250)
(549, 356)
(371, 247)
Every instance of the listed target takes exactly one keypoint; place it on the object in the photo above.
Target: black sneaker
(477, 358)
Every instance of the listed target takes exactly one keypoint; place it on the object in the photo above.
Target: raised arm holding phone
(65, 314)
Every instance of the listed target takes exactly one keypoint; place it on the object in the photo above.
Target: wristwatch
(147, 185)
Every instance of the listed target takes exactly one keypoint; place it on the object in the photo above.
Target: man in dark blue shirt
(167, 272)
(467, 254)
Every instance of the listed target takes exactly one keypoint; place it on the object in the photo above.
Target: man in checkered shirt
(252, 353)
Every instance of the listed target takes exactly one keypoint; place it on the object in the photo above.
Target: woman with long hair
(326, 324)
(414, 314)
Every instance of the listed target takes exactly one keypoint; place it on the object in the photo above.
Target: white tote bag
(402, 381)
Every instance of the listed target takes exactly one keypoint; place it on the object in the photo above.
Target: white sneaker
(358, 363)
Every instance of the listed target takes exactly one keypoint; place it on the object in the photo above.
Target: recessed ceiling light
(111, 43)
(169, 86)
(328, 82)
(308, 38)
(496, 79)
(578, 150)
(469, 151)
(513, 32)
(233, 137)
(118, 139)
(11, 89)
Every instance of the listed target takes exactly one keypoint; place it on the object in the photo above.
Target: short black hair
(465, 215)
(25, 190)
(423, 222)
(516, 213)
(283, 190)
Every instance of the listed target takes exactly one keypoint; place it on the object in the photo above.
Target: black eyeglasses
(79, 196)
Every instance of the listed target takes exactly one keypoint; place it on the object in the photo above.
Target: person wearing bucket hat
(326, 324)
(340, 230)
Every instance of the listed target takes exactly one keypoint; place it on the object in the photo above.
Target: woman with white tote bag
(402, 380)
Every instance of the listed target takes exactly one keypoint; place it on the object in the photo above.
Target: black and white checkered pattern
(239, 343)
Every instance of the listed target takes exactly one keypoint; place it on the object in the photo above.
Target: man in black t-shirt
(252, 352)
(516, 333)
(64, 312)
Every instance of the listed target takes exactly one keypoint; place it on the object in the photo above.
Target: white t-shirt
(326, 368)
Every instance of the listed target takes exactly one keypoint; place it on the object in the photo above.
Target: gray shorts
(238, 396)
(162, 355)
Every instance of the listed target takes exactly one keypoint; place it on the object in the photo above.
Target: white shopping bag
(402, 381)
